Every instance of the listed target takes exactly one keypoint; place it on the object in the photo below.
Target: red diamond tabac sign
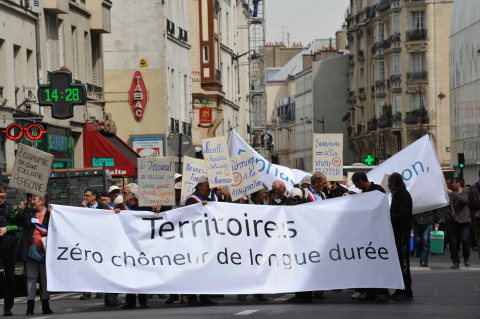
(138, 96)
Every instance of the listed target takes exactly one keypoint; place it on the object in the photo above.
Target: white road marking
(420, 268)
(62, 296)
(76, 296)
(68, 309)
(245, 312)
(284, 297)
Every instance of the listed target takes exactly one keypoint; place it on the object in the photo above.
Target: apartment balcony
(361, 55)
(380, 84)
(94, 91)
(396, 78)
(395, 38)
(417, 76)
(386, 44)
(361, 94)
(384, 5)
(385, 121)
(351, 59)
(56, 6)
(351, 96)
(218, 75)
(397, 117)
(349, 130)
(377, 46)
(416, 35)
(413, 118)
(359, 129)
(100, 21)
(372, 125)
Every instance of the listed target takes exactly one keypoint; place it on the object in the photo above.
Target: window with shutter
(95, 60)
(51, 58)
(61, 47)
(85, 48)
(74, 53)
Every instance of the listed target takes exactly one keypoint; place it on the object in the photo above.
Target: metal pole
(180, 154)
(421, 112)
(323, 124)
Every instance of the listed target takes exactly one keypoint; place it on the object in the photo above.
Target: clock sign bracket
(61, 94)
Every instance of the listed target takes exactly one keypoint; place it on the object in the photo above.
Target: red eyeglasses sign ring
(28, 131)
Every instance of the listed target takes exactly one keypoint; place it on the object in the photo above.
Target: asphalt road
(439, 292)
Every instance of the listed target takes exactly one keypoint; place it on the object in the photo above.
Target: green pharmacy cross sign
(369, 160)
(61, 94)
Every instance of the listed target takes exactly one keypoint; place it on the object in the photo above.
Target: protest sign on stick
(328, 155)
(156, 181)
(217, 161)
(193, 168)
(246, 179)
(31, 170)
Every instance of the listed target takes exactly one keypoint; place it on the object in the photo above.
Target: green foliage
(387, 109)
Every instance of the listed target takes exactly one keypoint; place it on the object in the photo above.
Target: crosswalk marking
(245, 312)
(62, 296)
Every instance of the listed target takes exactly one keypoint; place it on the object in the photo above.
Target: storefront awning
(98, 148)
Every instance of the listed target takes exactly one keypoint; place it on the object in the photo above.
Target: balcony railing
(417, 76)
(376, 47)
(349, 130)
(395, 38)
(413, 118)
(350, 95)
(218, 74)
(397, 117)
(385, 121)
(361, 54)
(361, 91)
(396, 78)
(359, 128)
(384, 5)
(416, 35)
(386, 44)
(351, 59)
(380, 84)
(372, 125)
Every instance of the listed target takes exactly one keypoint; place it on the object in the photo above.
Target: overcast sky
(306, 19)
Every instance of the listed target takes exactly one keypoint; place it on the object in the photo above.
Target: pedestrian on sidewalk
(460, 223)
(423, 224)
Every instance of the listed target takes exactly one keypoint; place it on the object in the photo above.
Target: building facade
(219, 70)
(42, 37)
(398, 76)
(465, 86)
(150, 42)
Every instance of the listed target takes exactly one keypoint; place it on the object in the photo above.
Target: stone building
(398, 76)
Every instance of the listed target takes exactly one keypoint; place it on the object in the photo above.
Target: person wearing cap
(178, 178)
(202, 190)
(297, 196)
(256, 198)
(113, 192)
(278, 194)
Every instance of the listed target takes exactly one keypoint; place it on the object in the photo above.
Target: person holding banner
(130, 195)
(32, 251)
(202, 190)
(278, 194)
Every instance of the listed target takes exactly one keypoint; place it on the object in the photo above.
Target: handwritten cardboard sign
(245, 175)
(217, 161)
(31, 170)
(328, 155)
(156, 181)
(193, 168)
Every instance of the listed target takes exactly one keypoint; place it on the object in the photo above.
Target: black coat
(337, 192)
(375, 187)
(285, 201)
(25, 220)
(428, 218)
(401, 211)
(191, 201)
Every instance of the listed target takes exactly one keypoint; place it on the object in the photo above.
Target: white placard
(328, 155)
(217, 161)
(249, 249)
(156, 181)
(193, 168)
(245, 175)
(31, 170)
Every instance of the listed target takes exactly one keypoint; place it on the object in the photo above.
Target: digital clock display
(61, 94)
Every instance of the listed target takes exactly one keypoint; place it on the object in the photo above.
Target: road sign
(179, 144)
(61, 94)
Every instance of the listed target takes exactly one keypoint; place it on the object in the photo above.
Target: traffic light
(461, 160)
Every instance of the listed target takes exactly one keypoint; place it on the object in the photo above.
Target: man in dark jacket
(423, 225)
(401, 217)
(279, 197)
(202, 190)
(334, 189)
(460, 223)
(474, 206)
(8, 244)
(360, 180)
(314, 191)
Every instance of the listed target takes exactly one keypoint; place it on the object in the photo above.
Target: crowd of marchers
(23, 230)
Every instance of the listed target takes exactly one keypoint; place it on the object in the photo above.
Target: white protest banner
(328, 155)
(335, 244)
(268, 172)
(246, 179)
(299, 175)
(193, 168)
(31, 170)
(217, 161)
(418, 163)
(156, 181)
